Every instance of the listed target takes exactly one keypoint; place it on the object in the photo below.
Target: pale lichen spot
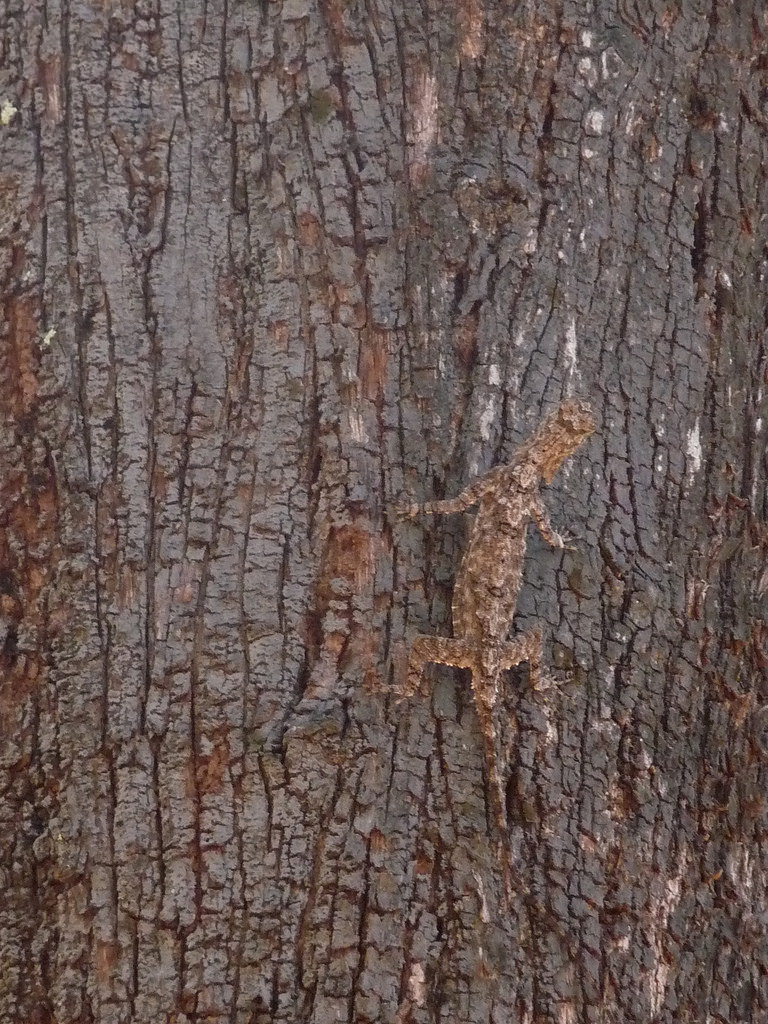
(632, 121)
(551, 733)
(357, 426)
(693, 450)
(666, 902)
(610, 63)
(7, 113)
(659, 985)
(48, 338)
(417, 984)
(594, 122)
(530, 244)
(487, 417)
(588, 71)
(494, 376)
(586, 39)
(566, 1012)
(485, 916)
(423, 130)
(471, 21)
(570, 347)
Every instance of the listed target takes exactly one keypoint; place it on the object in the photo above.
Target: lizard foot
(405, 509)
(568, 542)
(527, 647)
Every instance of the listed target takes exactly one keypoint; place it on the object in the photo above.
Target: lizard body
(488, 581)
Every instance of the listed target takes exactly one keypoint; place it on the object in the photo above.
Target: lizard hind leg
(440, 649)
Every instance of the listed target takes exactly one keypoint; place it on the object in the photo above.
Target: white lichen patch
(566, 1013)
(594, 122)
(488, 416)
(48, 338)
(693, 450)
(631, 121)
(658, 985)
(530, 243)
(662, 906)
(472, 29)
(485, 916)
(7, 113)
(570, 347)
(588, 71)
(610, 63)
(357, 426)
(423, 129)
(417, 984)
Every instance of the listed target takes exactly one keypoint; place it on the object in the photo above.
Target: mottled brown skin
(488, 581)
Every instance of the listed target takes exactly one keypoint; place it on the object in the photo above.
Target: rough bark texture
(304, 259)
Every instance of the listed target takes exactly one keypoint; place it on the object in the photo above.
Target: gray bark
(267, 269)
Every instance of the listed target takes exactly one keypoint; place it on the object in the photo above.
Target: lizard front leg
(448, 507)
(469, 496)
(539, 513)
(440, 649)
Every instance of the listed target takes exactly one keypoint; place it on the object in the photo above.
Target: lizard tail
(496, 795)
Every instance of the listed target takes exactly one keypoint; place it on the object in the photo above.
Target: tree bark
(269, 269)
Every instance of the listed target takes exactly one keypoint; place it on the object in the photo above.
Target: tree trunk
(268, 269)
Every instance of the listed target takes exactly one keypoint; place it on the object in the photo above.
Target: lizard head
(559, 435)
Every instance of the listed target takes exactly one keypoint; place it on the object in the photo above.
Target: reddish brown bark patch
(21, 380)
(374, 356)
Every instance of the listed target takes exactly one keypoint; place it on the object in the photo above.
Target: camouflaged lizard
(488, 582)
